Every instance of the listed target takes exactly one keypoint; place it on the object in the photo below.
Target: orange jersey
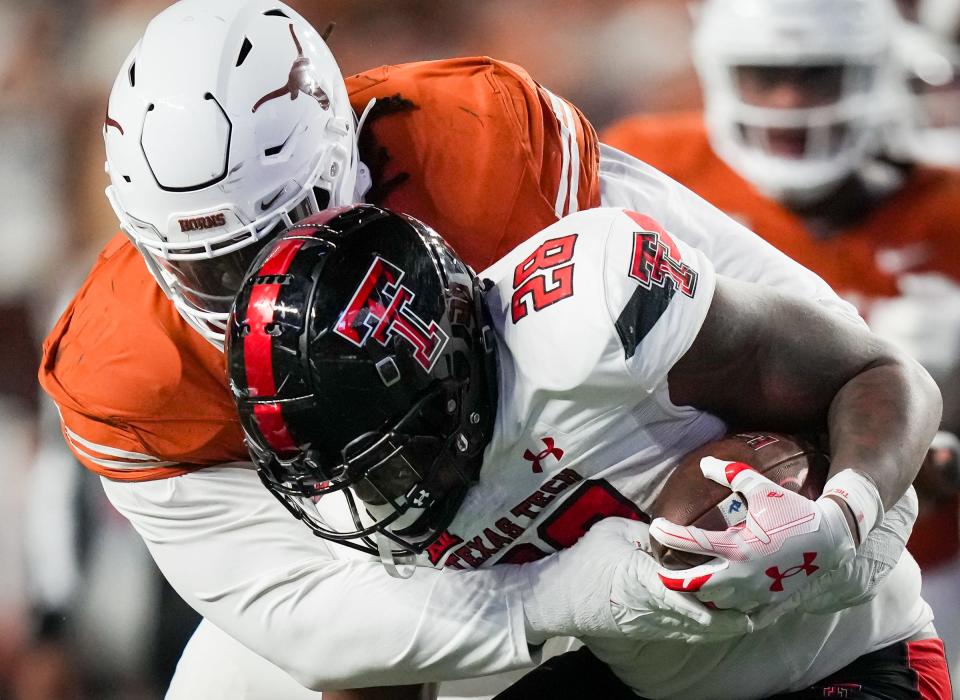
(917, 230)
(478, 151)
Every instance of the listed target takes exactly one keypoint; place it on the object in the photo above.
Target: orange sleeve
(476, 149)
(140, 395)
(114, 450)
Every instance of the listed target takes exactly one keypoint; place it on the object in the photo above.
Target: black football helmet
(361, 364)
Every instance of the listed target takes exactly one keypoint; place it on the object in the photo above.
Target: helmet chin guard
(837, 130)
(365, 381)
(227, 123)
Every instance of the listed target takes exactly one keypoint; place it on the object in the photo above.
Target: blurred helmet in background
(228, 122)
(930, 74)
(797, 92)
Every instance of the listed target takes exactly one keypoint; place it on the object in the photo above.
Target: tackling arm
(238, 558)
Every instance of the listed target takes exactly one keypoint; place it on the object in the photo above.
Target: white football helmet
(841, 48)
(930, 130)
(228, 122)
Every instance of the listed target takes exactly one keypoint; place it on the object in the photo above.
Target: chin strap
(364, 179)
(393, 567)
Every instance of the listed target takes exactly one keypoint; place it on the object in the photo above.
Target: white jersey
(590, 315)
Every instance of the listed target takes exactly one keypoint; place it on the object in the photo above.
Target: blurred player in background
(801, 99)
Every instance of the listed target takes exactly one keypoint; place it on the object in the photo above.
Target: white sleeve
(733, 249)
(237, 557)
(657, 291)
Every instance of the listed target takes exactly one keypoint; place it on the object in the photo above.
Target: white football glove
(785, 541)
(856, 582)
(607, 586)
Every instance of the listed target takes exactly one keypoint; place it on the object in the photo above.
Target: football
(689, 498)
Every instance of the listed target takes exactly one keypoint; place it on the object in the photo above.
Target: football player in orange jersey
(228, 123)
(797, 108)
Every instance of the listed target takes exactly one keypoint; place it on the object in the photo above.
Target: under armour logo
(421, 498)
(302, 78)
(548, 450)
(735, 507)
(807, 567)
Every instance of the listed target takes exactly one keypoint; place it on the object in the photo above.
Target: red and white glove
(785, 541)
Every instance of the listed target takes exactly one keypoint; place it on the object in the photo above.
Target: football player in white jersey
(398, 404)
(205, 527)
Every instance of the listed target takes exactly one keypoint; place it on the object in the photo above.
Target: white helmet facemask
(228, 122)
(797, 92)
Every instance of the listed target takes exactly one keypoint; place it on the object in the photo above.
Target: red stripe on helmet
(280, 258)
(272, 425)
(258, 344)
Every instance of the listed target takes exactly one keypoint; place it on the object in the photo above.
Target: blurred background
(83, 613)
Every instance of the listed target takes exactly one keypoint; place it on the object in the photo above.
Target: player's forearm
(881, 423)
(242, 562)
(375, 630)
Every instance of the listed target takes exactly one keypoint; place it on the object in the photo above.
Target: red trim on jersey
(927, 660)
(270, 420)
